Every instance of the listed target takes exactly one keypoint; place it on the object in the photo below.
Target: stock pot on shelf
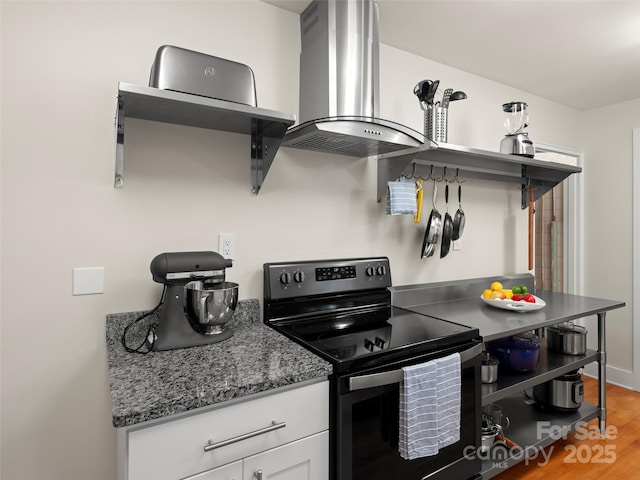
(567, 338)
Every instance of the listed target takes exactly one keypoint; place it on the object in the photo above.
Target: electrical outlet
(227, 245)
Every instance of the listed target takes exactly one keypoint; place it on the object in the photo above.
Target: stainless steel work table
(460, 302)
(494, 323)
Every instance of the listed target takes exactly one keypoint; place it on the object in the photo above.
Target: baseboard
(616, 376)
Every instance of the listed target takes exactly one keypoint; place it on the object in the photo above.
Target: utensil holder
(435, 123)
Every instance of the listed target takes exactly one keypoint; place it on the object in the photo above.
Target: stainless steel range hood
(339, 84)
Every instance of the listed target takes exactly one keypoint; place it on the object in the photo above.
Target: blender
(516, 141)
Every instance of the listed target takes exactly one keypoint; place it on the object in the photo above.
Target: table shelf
(532, 428)
(550, 366)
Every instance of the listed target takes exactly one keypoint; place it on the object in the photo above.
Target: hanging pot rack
(472, 163)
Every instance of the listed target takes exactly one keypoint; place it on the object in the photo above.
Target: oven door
(365, 419)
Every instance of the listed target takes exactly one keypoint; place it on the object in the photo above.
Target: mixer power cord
(150, 335)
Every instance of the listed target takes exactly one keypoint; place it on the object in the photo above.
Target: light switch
(88, 281)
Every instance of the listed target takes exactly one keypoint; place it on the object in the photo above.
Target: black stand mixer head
(175, 270)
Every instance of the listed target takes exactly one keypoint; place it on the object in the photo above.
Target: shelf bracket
(263, 151)
(524, 190)
(257, 162)
(118, 181)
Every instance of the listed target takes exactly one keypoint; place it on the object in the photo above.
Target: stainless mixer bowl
(210, 306)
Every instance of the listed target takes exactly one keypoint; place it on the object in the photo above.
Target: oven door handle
(396, 376)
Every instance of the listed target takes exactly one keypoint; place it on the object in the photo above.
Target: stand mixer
(516, 142)
(197, 302)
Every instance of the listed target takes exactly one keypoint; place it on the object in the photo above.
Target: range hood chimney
(339, 84)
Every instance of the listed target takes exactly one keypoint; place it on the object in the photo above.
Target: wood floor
(593, 459)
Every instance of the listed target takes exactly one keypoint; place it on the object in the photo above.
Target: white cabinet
(306, 459)
(232, 471)
(279, 431)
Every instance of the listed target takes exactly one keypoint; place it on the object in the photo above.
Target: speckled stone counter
(255, 359)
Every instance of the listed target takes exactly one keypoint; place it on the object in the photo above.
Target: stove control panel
(318, 277)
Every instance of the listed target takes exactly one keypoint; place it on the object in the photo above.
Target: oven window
(371, 442)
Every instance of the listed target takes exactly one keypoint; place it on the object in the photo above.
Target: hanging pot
(459, 219)
(447, 229)
(432, 232)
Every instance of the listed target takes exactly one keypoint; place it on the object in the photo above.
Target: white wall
(61, 63)
(607, 140)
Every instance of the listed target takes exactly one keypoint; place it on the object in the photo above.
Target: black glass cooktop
(345, 338)
(341, 310)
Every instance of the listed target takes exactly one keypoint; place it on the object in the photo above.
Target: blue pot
(518, 353)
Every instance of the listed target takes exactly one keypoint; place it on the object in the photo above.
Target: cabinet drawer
(306, 459)
(175, 449)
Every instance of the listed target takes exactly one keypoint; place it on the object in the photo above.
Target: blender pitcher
(516, 141)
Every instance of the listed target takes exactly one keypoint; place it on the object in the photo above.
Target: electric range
(341, 310)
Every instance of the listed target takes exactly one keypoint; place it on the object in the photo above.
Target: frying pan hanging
(432, 232)
(459, 219)
(447, 229)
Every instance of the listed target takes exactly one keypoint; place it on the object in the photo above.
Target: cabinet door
(233, 471)
(306, 459)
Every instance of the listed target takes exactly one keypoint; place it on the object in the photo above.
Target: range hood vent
(339, 84)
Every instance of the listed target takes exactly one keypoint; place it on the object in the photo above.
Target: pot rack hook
(457, 177)
(408, 176)
(412, 175)
(453, 179)
(428, 176)
(421, 176)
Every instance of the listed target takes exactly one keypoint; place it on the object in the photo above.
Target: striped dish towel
(449, 398)
(429, 407)
(418, 428)
(401, 198)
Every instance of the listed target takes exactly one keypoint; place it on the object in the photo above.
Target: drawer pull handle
(211, 445)
(258, 474)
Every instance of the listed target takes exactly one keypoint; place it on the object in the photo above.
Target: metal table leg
(602, 372)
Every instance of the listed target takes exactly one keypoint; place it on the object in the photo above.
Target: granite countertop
(255, 359)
